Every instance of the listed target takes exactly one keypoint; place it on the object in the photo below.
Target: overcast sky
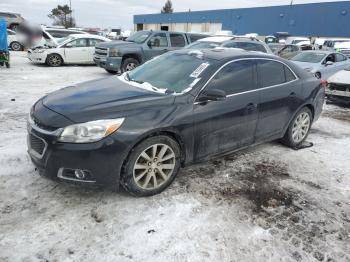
(118, 13)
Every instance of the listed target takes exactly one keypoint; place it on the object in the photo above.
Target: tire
(140, 172)
(15, 46)
(129, 64)
(54, 60)
(111, 71)
(318, 75)
(297, 132)
(7, 64)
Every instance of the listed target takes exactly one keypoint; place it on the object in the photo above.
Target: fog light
(80, 174)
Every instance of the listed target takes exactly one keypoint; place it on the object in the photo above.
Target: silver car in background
(322, 64)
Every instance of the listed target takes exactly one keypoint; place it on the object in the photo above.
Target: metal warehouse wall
(318, 19)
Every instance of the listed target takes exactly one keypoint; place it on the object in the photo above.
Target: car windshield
(64, 39)
(309, 57)
(179, 72)
(139, 37)
(203, 45)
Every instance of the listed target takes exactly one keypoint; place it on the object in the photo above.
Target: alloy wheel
(301, 127)
(54, 60)
(154, 166)
(16, 46)
(130, 66)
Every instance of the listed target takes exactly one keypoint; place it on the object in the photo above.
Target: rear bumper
(109, 63)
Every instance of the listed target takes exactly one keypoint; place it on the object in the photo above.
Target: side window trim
(256, 73)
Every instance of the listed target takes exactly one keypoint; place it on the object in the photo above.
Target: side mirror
(328, 63)
(212, 95)
(68, 45)
(150, 44)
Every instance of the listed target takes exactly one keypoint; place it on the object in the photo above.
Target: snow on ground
(267, 203)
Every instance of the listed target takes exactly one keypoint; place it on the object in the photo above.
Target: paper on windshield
(196, 73)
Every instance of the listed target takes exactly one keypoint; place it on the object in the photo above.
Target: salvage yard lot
(264, 203)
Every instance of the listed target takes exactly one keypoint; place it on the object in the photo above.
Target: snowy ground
(268, 203)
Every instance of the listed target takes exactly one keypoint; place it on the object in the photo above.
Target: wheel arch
(307, 105)
(132, 55)
(55, 53)
(171, 133)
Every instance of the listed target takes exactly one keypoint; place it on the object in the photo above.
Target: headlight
(90, 131)
(114, 52)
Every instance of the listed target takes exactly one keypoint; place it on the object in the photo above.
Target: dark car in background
(122, 56)
(285, 51)
(245, 43)
(13, 20)
(186, 106)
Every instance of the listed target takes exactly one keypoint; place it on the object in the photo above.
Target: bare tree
(62, 15)
(168, 7)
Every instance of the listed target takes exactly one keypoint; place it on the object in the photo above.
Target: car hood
(118, 43)
(342, 77)
(305, 65)
(98, 99)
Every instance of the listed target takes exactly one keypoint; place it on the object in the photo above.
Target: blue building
(331, 19)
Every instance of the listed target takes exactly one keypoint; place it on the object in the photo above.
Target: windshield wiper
(132, 80)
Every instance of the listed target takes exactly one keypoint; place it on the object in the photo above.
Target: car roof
(225, 54)
(215, 39)
(326, 52)
(87, 36)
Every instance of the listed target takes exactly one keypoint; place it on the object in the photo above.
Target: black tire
(128, 175)
(111, 71)
(288, 137)
(54, 60)
(318, 75)
(7, 64)
(129, 64)
(1, 63)
(16, 46)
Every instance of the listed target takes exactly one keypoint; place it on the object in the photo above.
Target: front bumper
(333, 92)
(39, 58)
(109, 63)
(101, 161)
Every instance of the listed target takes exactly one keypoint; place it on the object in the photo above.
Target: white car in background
(15, 41)
(339, 86)
(75, 49)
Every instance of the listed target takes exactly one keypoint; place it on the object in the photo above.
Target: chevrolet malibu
(187, 106)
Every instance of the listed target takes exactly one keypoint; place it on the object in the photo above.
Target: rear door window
(272, 73)
(236, 77)
(340, 58)
(93, 42)
(177, 40)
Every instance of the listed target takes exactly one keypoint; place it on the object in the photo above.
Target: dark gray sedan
(187, 106)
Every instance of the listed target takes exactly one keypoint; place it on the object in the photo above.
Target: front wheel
(54, 60)
(151, 166)
(298, 129)
(129, 64)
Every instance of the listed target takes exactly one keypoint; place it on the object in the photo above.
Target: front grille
(101, 52)
(339, 87)
(37, 144)
(42, 126)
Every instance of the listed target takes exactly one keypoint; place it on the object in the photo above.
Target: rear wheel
(151, 166)
(15, 46)
(54, 60)
(129, 64)
(7, 64)
(299, 128)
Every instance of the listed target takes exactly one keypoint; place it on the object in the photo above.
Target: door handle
(292, 95)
